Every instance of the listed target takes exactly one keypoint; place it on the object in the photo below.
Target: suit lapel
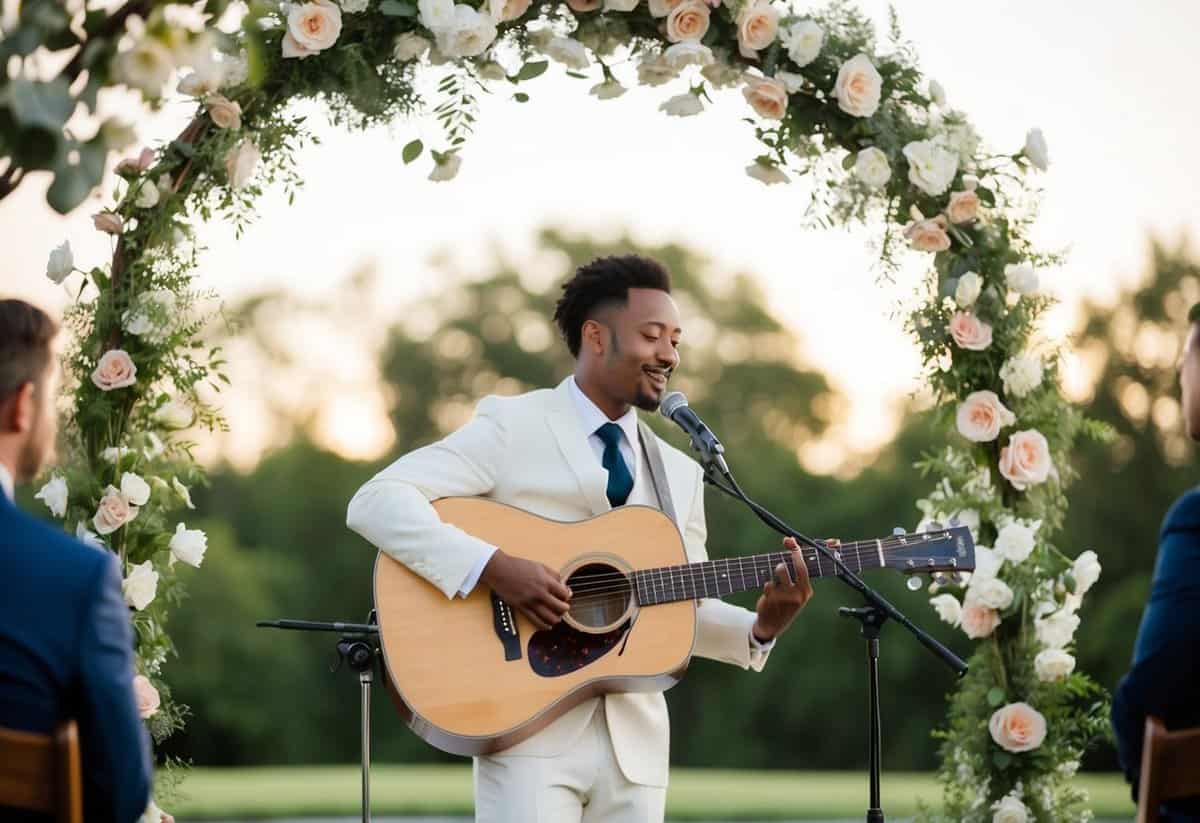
(573, 443)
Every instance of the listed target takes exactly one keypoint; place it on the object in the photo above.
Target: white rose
(1057, 630)
(858, 87)
(872, 168)
(240, 163)
(1035, 149)
(931, 168)
(201, 81)
(436, 15)
(992, 592)
(688, 53)
(682, 105)
(135, 489)
(409, 46)
(792, 82)
(113, 512)
(766, 173)
(977, 620)
(147, 195)
(233, 69)
(1021, 374)
(86, 535)
(146, 67)
(803, 41)
(721, 75)
(1015, 541)
(153, 315)
(55, 495)
(936, 93)
(175, 414)
(968, 289)
(469, 36)
(948, 608)
(981, 416)
(1086, 571)
(447, 169)
(1021, 278)
(1053, 664)
(987, 563)
(965, 517)
(653, 70)
(1009, 809)
(188, 545)
(61, 263)
(571, 53)
(607, 90)
(184, 494)
(141, 585)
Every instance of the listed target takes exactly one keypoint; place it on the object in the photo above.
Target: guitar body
(473, 676)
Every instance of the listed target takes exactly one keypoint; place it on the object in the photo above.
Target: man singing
(570, 453)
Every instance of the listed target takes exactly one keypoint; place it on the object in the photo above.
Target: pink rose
(858, 87)
(757, 25)
(108, 222)
(928, 235)
(981, 416)
(1025, 461)
(969, 332)
(113, 512)
(1017, 727)
(312, 27)
(146, 695)
(688, 21)
(114, 371)
(963, 207)
(767, 95)
(137, 165)
(977, 620)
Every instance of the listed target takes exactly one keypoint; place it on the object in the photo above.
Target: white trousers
(582, 785)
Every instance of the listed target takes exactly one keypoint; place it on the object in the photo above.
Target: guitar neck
(721, 578)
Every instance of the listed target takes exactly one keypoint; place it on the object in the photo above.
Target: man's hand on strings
(783, 596)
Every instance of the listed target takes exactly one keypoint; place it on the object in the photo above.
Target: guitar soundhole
(600, 596)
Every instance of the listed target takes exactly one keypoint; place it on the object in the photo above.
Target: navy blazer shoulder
(66, 652)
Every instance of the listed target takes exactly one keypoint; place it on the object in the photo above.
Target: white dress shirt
(6, 482)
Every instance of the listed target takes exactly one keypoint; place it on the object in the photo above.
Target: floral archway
(824, 99)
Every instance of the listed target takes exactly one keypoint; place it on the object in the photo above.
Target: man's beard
(644, 401)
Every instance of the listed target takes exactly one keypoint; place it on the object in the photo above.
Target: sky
(1111, 85)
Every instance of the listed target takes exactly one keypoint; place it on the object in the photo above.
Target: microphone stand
(358, 646)
(871, 617)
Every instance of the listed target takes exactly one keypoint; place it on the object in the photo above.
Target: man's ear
(18, 410)
(594, 336)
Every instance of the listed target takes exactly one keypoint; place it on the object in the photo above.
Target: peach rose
(977, 620)
(858, 87)
(757, 25)
(963, 207)
(108, 222)
(312, 27)
(114, 371)
(113, 512)
(580, 6)
(506, 10)
(969, 332)
(767, 95)
(225, 113)
(1025, 461)
(1017, 727)
(688, 21)
(146, 695)
(928, 235)
(981, 416)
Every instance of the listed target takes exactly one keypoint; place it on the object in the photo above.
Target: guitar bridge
(505, 624)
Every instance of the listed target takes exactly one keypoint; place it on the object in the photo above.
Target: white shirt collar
(6, 481)
(592, 418)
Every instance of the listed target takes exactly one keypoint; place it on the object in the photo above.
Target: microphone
(675, 408)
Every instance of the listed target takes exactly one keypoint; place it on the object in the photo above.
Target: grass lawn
(695, 794)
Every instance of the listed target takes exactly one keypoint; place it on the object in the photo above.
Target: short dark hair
(1194, 314)
(26, 333)
(601, 283)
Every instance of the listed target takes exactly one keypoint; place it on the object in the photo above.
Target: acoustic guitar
(474, 675)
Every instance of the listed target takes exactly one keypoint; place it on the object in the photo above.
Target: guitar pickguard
(562, 649)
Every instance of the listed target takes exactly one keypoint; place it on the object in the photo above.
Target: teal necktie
(620, 481)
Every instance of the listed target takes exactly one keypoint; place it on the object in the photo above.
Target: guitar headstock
(940, 550)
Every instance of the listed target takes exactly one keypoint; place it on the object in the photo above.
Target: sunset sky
(1112, 86)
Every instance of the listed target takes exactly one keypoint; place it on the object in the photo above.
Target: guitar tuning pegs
(939, 579)
(960, 578)
(913, 583)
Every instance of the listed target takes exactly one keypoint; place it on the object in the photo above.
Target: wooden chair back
(42, 772)
(1170, 767)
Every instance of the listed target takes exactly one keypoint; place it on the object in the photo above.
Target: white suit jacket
(530, 451)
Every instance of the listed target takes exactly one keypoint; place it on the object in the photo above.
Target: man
(65, 637)
(570, 453)
(1164, 680)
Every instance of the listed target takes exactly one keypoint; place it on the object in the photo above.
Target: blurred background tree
(279, 546)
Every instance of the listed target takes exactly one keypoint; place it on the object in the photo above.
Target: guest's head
(28, 383)
(621, 325)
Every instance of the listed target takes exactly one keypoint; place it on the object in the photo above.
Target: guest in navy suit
(66, 644)
(1164, 680)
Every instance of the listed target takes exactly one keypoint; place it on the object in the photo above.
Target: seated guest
(66, 643)
(1164, 680)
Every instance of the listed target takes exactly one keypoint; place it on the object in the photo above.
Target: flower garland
(827, 100)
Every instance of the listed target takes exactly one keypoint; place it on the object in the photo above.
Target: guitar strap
(658, 472)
